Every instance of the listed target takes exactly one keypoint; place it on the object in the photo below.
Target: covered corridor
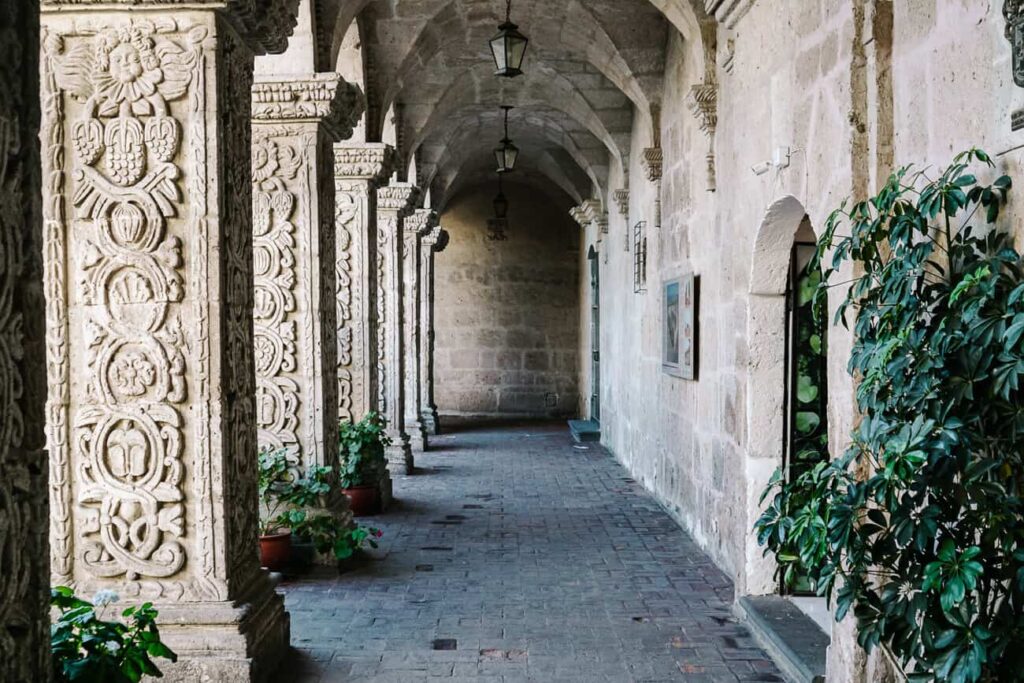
(515, 555)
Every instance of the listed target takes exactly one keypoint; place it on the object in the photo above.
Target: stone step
(790, 637)
(585, 430)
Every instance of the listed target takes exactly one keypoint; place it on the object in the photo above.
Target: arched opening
(787, 373)
(806, 405)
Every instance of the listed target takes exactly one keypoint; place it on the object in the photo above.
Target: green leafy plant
(361, 451)
(331, 538)
(88, 649)
(918, 528)
(289, 501)
(284, 491)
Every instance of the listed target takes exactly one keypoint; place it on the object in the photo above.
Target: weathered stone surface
(24, 632)
(507, 313)
(148, 243)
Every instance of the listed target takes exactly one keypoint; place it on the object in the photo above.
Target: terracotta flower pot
(363, 500)
(276, 551)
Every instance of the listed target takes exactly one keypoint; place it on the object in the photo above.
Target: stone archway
(766, 314)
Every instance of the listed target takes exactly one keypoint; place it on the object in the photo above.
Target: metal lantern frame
(507, 154)
(508, 47)
(500, 202)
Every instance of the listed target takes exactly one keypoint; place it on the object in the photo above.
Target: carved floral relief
(274, 246)
(127, 429)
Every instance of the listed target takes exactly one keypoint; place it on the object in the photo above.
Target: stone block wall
(852, 88)
(507, 312)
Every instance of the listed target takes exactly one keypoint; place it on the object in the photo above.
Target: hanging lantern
(508, 47)
(507, 153)
(500, 203)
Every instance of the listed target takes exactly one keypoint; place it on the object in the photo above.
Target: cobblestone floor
(515, 556)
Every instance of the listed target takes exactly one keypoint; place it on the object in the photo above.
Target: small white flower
(105, 597)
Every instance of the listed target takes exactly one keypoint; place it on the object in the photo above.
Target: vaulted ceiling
(591, 66)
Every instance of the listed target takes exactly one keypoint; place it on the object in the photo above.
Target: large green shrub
(918, 528)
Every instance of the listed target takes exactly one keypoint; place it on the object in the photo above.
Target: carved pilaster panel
(149, 283)
(115, 107)
(417, 226)
(358, 167)
(430, 245)
(394, 204)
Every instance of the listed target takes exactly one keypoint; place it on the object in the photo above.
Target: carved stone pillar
(416, 227)
(147, 202)
(24, 580)
(358, 170)
(394, 204)
(432, 243)
(295, 123)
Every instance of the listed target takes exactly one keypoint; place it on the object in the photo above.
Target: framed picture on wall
(680, 311)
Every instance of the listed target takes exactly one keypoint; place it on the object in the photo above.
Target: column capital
(421, 222)
(652, 162)
(323, 98)
(400, 197)
(727, 12)
(432, 240)
(621, 197)
(265, 25)
(589, 212)
(363, 160)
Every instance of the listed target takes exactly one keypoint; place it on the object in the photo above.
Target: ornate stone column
(358, 170)
(24, 580)
(146, 136)
(432, 243)
(416, 227)
(394, 203)
(295, 123)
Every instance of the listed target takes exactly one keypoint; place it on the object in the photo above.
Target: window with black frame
(806, 374)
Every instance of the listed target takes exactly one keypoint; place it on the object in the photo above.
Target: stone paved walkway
(515, 556)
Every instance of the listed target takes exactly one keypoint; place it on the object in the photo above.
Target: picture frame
(680, 336)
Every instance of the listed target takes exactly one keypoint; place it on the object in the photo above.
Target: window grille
(640, 257)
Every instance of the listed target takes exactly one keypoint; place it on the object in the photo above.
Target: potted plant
(331, 538)
(362, 462)
(276, 484)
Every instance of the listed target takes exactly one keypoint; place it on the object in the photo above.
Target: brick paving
(516, 556)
